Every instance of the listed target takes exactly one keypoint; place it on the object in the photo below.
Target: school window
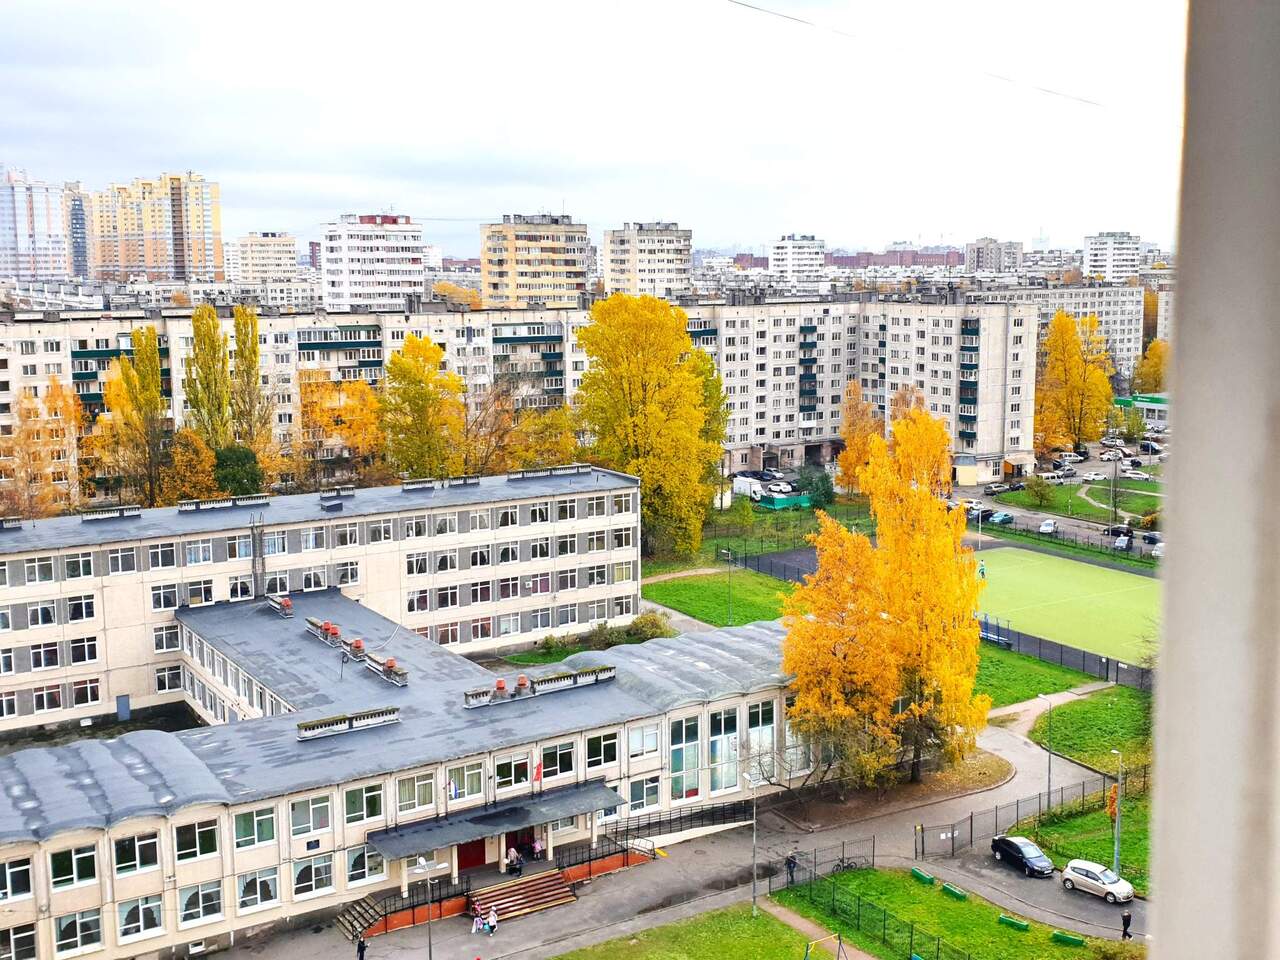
(540, 512)
(508, 553)
(566, 546)
(446, 597)
(135, 854)
(508, 624)
(241, 587)
(314, 579)
(415, 527)
(365, 863)
(84, 650)
(255, 826)
(201, 901)
(622, 572)
(540, 583)
(44, 656)
(277, 584)
(47, 698)
(196, 839)
(597, 610)
(122, 560)
(564, 823)
(258, 888)
(684, 758)
(622, 503)
(643, 794)
(379, 531)
(448, 560)
(479, 520)
(596, 540)
(722, 750)
(85, 692)
(274, 543)
(39, 570)
(364, 803)
(79, 565)
(466, 780)
(199, 551)
(508, 517)
(164, 596)
(557, 759)
(595, 506)
(42, 614)
(80, 608)
(597, 576)
(416, 792)
(309, 816)
(15, 879)
(448, 633)
(77, 931)
(347, 572)
(70, 867)
(418, 601)
(566, 509)
(760, 735)
(480, 556)
(540, 619)
(313, 875)
(313, 538)
(540, 549)
(445, 523)
(239, 547)
(417, 564)
(566, 614)
(511, 771)
(346, 535)
(139, 916)
(622, 537)
(601, 749)
(200, 592)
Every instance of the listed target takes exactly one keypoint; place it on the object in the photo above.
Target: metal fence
(946, 839)
(998, 631)
(677, 821)
(1094, 542)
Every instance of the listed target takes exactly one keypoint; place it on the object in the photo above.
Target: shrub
(648, 625)
(816, 482)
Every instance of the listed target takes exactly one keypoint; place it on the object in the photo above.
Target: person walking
(493, 920)
(361, 946)
(791, 862)
(982, 570)
(1126, 919)
(477, 918)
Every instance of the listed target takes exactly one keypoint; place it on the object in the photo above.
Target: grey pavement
(680, 621)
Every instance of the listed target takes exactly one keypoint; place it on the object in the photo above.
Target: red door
(521, 840)
(471, 854)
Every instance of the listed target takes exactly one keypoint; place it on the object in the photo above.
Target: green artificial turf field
(1108, 612)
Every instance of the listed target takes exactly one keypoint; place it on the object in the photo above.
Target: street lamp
(1048, 750)
(754, 871)
(1115, 856)
(728, 555)
(421, 868)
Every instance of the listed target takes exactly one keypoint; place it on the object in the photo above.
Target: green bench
(954, 892)
(1069, 939)
(1014, 922)
(925, 878)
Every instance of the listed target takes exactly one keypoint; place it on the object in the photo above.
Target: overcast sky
(879, 120)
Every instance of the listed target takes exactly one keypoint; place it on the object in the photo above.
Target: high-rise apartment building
(797, 262)
(533, 259)
(262, 257)
(33, 232)
(168, 228)
(372, 262)
(654, 259)
(313, 254)
(1166, 298)
(75, 215)
(990, 254)
(1113, 257)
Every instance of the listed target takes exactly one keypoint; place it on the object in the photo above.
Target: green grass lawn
(965, 925)
(706, 597)
(1106, 611)
(540, 656)
(1132, 496)
(1088, 836)
(1064, 501)
(730, 934)
(1008, 677)
(1116, 718)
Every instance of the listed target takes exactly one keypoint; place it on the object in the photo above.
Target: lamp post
(728, 556)
(754, 871)
(1048, 750)
(1115, 856)
(421, 868)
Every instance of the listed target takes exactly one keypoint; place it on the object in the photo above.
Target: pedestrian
(493, 920)
(791, 862)
(360, 948)
(477, 918)
(537, 848)
(1126, 919)
(982, 570)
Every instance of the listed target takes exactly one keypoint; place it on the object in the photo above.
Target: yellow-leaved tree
(251, 404)
(208, 379)
(1073, 385)
(359, 425)
(644, 405)
(544, 438)
(189, 474)
(66, 420)
(422, 411)
(1150, 373)
(454, 293)
(488, 418)
(129, 437)
(859, 422)
(905, 399)
(26, 461)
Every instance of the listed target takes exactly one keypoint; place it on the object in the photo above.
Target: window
(241, 587)
(44, 656)
(79, 565)
(596, 541)
(508, 553)
(622, 503)
(200, 592)
(761, 740)
(446, 597)
(416, 792)
(85, 692)
(134, 854)
(540, 619)
(313, 538)
(622, 572)
(314, 875)
(466, 781)
(255, 826)
(346, 535)
(309, 816)
(40, 570)
(84, 650)
(557, 759)
(202, 901)
(364, 803)
(448, 633)
(480, 520)
(684, 758)
(480, 556)
(643, 794)
(540, 549)
(274, 543)
(564, 823)
(313, 579)
(379, 531)
(77, 931)
(140, 916)
(277, 584)
(164, 596)
(446, 560)
(482, 592)
(508, 517)
(70, 867)
(511, 771)
(198, 552)
(566, 509)
(418, 600)
(196, 839)
(417, 564)
(601, 749)
(622, 537)
(18, 943)
(597, 576)
(8, 703)
(595, 506)
(415, 527)
(47, 698)
(508, 624)
(540, 583)
(15, 879)
(567, 580)
(6, 660)
(348, 572)
(257, 889)
(168, 679)
(445, 523)
(80, 608)
(239, 547)
(481, 629)
(722, 750)
(166, 638)
(566, 614)
(162, 555)
(566, 546)
(42, 614)
(365, 863)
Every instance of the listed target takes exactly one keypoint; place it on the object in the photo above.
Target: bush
(237, 472)
(816, 482)
(1150, 521)
(1038, 489)
(649, 625)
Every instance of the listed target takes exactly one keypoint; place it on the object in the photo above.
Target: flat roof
(161, 523)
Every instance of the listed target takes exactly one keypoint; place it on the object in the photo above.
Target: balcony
(808, 391)
(968, 376)
(808, 345)
(539, 338)
(968, 434)
(969, 396)
(968, 365)
(808, 329)
(968, 418)
(553, 355)
(808, 361)
(808, 408)
(807, 377)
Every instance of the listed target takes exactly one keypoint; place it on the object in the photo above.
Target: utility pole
(1048, 750)
(1115, 856)
(728, 555)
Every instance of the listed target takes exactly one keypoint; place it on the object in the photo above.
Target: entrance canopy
(426, 836)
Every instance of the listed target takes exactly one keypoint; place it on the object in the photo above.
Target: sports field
(1108, 612)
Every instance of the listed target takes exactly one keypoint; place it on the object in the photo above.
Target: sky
(861, 121)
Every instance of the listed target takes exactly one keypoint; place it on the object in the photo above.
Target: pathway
(677, 574)
(810, 929)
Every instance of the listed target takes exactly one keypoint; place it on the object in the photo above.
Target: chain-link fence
(1084, 541)
(998, 631)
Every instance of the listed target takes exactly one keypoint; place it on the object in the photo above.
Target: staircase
(515, 898)
(357, 917)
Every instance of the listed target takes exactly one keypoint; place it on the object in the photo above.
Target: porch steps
(357, 917)
(515, 898)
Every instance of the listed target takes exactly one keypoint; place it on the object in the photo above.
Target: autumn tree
(715, 407)
(130, 435)
(65, 416)
(454, 293)
(1149, 376)
(422, 411)
(26, 461)
(315, 425)
(1150, 314)
(208, 379)
(1038, 489)
(544, 438)
(1073, 389)
(251, 404)
(179, 298)
(859, 422)
(358, 423)
(1135, 427)
(488, 420)
(905, 399)
(643, 402)
(190, 474)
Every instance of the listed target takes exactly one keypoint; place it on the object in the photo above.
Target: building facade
(167, 228)
(1113, 257)
(1166, 301)
(990, 255)
(76, 204)
(262, 257)
(33, 229)
(797, 262)
(648, 259)
(372, 262)
(533, 259)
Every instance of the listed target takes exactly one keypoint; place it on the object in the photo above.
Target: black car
(1119, 530)
(1152, 536)
(983, 515)
(1135, 462)
(1021, 852)
(1017, 485)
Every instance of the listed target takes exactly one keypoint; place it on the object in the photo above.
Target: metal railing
(421, 894)
(678, 821)
(998, 631)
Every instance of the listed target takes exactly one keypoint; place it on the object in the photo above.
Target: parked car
(1023, 854)
(1067, 471)
(780, 487)
(1135, 462)
(1049, 526)
(991, 489)
(1158, 551)
(1071, 458)
(1053, 476)
(1124, 542)
(1093, 476)
(1117, 530)
(1152, 536)
(1109, 455)
(972, 504)
(982, 514)
(1017, 485)
(1001, 518)
(1149, 446)
(1112, 442)
(1096, 879)
(1135, 475)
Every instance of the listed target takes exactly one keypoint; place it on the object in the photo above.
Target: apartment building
(166, 228)
(337, 784)
(1113, 257)
(798, 263)
(990, 255)
(33, 229)
(261, 258)
(1166, 297)
(76, 204)
(89, 601)
(372, 262)
(533, 259)
(651, 259)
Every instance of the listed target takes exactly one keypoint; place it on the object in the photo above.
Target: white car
(1093, 475)
(1096, 879)
(1158, 551)
(1135, 475)
(779, 487)
(1049, 526)
(971, 504)
(1112, 442)
(1111, 455)
(1071, 458)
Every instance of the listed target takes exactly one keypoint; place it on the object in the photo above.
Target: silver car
(1096, 879)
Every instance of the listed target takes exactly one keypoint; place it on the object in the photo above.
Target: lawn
(1109, 612)
(1070, 548)
(728, 934)
(1088, 836)
(1116, 718)
(1008, 677)
(923, 913)
(706, 597)
(540, 656)
(1065, 500)
(1131, 496)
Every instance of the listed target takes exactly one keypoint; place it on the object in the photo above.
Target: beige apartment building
(648, 259)
(533, 259)
(167, 228)
(261, 258)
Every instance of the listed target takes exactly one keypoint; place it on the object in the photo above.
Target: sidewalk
(1027, 711)
(810, 929)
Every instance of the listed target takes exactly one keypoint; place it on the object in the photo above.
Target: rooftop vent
(567, 469)
(282, 606)
(330, 506)
(253, 500)
(525, 687)
(387, 669)
(188, 506)
(347, 722)
(324, 630)
(108, 513)
(217, 503)
(10, 523)
(421, 483)
(465, 480)
(336, 493)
